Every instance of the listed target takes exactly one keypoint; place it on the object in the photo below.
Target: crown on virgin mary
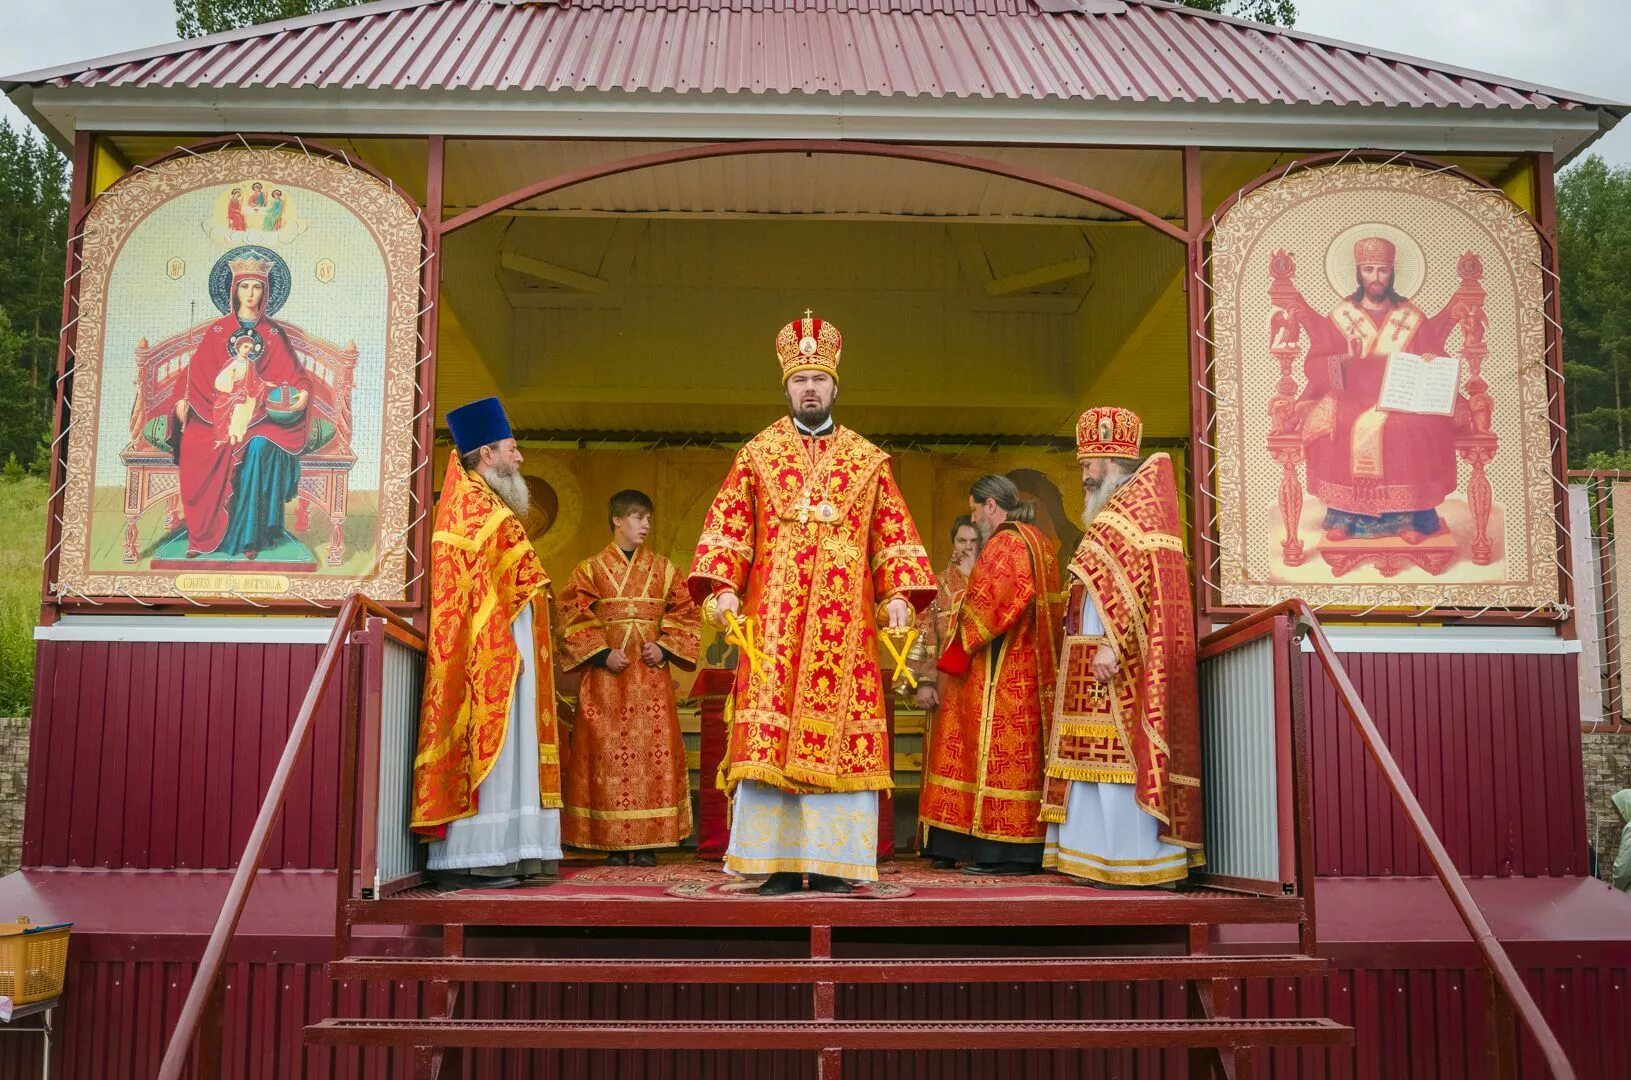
(1108, 431)
(808, 344)
(250, 267)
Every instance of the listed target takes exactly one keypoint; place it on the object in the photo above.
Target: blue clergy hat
(478, 424)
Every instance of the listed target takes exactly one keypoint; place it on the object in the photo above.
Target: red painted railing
(199, 1026)
(1511, 1001)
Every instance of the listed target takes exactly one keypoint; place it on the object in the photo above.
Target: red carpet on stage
(684, 876)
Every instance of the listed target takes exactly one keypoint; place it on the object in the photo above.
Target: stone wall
(1607, 757)
(13, 782)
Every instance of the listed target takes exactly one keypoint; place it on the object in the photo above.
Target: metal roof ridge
(225, 37)
(1157, 9)
(1384, 55)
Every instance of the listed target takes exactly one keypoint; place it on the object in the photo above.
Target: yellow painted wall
(674, 330)
(671, 324)
(107, 166)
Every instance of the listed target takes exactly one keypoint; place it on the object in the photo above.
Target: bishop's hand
(728, 602)
(1104, 664)
(652, 654)
(617, 661)
(900, 614)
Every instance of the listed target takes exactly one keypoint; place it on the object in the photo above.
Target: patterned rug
(675, 870)
(749, 890)
(681, 874)
(920, 875)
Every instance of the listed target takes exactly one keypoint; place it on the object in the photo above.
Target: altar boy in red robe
(627, 616)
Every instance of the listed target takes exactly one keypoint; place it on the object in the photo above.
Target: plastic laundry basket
(33, 960)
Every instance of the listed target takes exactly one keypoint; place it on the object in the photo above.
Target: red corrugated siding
(158, 755)
(1490, 744)
(1412, 1024)
(935, 48)
(150, 755)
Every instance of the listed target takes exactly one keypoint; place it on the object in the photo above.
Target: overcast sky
(1577, 45)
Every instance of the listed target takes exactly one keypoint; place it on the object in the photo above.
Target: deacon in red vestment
(626, 616)
(811, 544)
(982, 784)
(1379, 473)
(1123, 798)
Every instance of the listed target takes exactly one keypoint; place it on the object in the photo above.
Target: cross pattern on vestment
(1398, 321)
(1085, 686)
(842, 549)
(1352, 322)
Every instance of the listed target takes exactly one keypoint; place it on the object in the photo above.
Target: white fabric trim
(513, 824)
(284, 630)
(1520, 640)
(1103, 825)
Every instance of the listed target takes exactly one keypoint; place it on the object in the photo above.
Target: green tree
(33, 232)
(195, 18)
(1277, 12)
(1594, 241)
(22, 419)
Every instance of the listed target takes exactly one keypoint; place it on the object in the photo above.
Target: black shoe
(781, 885)
(999, 869)
(942, 864)
(645, 858)
(455, 882)
(618, 858)
(828, 884)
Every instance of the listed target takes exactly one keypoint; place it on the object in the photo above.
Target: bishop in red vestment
(811, 546)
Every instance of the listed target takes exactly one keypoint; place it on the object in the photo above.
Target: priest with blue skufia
(487, 777)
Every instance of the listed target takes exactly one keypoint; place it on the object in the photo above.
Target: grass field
(22, 546)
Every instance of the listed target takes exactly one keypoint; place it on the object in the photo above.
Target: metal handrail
(1519, 1004)
(207, 993)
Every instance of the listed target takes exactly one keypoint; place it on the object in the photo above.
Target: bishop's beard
(1097, 498)
(506, 481)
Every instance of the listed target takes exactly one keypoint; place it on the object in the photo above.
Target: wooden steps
(820, 1035)
(846, 972)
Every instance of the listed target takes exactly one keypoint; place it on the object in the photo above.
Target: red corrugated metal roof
(1124, 50)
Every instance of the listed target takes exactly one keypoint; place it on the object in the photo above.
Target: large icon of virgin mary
(242, 421)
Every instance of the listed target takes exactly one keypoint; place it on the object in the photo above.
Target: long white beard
(1097, 499)
(507, 482)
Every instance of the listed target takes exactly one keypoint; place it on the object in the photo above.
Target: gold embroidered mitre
(809, 344)
(1108, 431)
(1374, 251)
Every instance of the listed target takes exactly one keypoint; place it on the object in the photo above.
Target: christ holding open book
(1382, 467)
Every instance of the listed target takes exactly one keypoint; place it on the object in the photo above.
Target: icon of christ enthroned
(1385, 411)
